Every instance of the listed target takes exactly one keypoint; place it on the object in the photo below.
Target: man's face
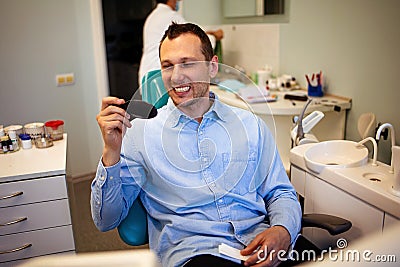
(185, 73)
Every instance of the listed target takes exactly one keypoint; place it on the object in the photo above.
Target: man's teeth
(182, 89)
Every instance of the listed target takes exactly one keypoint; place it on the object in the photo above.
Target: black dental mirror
(138, 109)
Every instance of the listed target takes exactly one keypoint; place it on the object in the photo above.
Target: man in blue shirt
(207, 173)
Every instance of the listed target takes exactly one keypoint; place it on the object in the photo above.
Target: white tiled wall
(250, 46)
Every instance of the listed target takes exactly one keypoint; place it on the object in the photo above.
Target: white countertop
(284, 106)
(351, 180)
(131, 257)
(34, 162)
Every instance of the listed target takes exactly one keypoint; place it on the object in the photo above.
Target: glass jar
(55, 129)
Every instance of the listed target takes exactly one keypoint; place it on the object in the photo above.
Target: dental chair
(133, 229)
(153, 90)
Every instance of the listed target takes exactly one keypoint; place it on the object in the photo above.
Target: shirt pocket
(239, 171)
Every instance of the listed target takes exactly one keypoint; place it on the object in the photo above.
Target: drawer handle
(15, 221)
(16, 249)
(12, 195)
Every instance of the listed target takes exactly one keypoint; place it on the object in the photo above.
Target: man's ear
(213, 68)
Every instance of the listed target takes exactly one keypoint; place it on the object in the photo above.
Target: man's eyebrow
(181, 60)
(185, 59)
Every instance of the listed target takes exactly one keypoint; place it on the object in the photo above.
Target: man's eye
(166, 66)
(187, 64)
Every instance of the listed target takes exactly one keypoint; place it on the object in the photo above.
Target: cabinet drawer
(38, 216)
(35, 190)
(53, 240)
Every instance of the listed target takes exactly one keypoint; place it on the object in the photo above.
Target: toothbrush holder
(315, 90)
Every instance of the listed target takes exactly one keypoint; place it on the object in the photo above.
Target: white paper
(253, 94)
(231, 252)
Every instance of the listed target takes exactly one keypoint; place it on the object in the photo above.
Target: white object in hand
(231, 252)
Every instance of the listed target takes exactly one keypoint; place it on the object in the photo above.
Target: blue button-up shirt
(202, 184)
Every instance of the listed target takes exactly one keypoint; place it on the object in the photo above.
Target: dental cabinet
(279, 116)
(355, 194)
(35, 215)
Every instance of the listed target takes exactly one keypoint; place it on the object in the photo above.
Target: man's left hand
(266, 246)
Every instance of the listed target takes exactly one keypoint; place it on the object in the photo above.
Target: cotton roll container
(262, 77)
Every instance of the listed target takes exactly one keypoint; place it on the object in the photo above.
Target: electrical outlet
(65, 79)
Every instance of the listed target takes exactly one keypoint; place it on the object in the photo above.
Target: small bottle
(10, 144)
(4, 143)
(26, 141)
(13, 137)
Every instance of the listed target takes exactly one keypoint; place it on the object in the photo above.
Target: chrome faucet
(300, 131)
(392, 137)
(375, 152)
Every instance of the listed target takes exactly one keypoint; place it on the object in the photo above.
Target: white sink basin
(335, 154)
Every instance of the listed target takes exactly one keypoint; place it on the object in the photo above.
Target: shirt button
(111, 177)
(220, 201)
(213, 184)
(102, 178)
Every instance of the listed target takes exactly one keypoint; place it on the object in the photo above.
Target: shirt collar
(218, 111)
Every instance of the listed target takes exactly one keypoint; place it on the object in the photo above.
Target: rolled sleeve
(286, 212)
(104, 189)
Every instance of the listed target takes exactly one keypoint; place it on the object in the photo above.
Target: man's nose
(177, 74)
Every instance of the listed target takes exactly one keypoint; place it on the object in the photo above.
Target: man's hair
(175, 30)
(162, 1)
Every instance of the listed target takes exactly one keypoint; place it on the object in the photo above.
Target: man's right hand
(112, 121)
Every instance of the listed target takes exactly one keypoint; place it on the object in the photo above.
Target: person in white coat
(154, 28)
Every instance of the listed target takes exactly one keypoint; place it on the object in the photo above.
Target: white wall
(40, 39)
(251, 46)
(354, 42)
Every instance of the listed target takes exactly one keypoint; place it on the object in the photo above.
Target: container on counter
(4, 143)
(55, 129)
(34, 129)
(26, 141)
(17, 128)
(14, 139)
(43, 142)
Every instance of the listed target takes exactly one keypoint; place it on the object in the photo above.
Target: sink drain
(374, 177)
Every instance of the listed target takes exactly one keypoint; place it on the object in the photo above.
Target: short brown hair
(175, 30)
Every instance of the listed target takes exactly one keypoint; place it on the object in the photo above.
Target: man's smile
(181, 89)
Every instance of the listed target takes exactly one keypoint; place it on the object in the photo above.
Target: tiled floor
(87, 237)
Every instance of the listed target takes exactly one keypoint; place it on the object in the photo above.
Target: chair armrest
(334, 225)
(133, 229)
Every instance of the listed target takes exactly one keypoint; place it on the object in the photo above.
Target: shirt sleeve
(280, 197)
(111, 196)
(104, 189)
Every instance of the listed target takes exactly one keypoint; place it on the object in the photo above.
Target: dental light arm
(306, 125)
